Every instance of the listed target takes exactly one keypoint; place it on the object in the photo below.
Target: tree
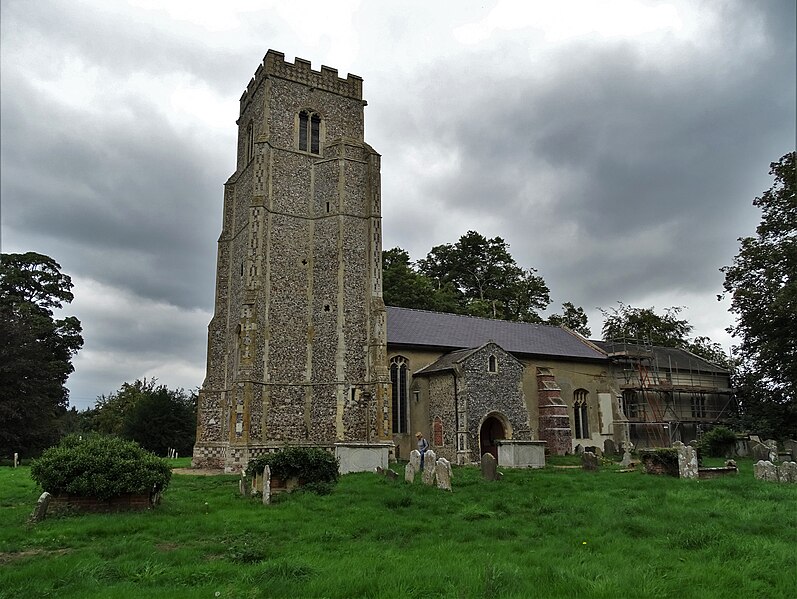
(156, 417)
(404, 287)
(486, 278)
(571, 317)
(762, 283)
(643, 324)
(36, 351)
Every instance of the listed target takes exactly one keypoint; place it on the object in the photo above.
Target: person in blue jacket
(423, 445)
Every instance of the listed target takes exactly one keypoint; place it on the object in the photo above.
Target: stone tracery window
(398, 380)
(309, 132)
(580, 414)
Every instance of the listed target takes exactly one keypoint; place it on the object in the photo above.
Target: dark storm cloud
(124, 198)
(611, 170)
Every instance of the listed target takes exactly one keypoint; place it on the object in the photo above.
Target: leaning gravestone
(443, 474)
(430, 465)
(489, 467)
(40, 511)
(266, 485)
(773, 449)
(787, 473)
(687, 460)
(579, 449)
(609, 447)
(412, 466)
(589, 461)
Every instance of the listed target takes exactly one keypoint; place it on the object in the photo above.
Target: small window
(629, 404)
(580, 414)
(250, 142)
(492, 364)
(309, 132)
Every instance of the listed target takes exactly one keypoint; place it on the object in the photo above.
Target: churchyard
(552, 532)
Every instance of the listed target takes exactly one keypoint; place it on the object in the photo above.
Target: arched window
(580, 414)
(492, 364)
(398, 380)
(250, 142)
(309, 132)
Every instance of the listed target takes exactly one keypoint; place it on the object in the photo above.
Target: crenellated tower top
(300, 71)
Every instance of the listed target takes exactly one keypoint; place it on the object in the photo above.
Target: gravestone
(766, 470)
(609, 447)
(409, 473)
(759, 451)
(579, 449)
(443, 474)
(589, 461)
(415, 459)
(687, 460)
(16, 460)
(790, 445)
(243, 484)
(40, 511)
(379, 470)
(787, 473)
(773, 449)
(391, 474)
(489, 467)
(626, 459)
(266, 485)
(430, 459)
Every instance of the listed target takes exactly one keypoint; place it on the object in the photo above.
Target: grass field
(542, 533)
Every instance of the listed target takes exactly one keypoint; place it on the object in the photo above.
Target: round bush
(719, 441)
(312, 466)
(99, 466)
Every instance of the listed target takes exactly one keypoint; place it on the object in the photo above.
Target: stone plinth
(362, 457)
(513, 453)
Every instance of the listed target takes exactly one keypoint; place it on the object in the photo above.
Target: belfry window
(398, 380)
(580, 414)
(309, 132)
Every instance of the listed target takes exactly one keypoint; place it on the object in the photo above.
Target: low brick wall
(128, 502)
(717, 472)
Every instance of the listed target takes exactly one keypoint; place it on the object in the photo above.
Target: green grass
(542, 533)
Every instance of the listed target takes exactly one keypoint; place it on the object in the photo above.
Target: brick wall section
(60, 503)
(554, 418)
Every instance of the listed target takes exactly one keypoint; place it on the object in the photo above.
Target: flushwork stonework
(297, 343)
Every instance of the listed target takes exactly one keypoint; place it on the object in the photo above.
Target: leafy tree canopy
(36, 351)
(762, 283)
(572, 317)
(644, 324)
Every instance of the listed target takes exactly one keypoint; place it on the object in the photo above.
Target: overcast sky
(616, 146)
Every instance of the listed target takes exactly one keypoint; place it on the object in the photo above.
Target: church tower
(297, 344)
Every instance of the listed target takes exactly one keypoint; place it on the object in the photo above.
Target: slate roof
(670, 358)
(447, 361)
(437, 330)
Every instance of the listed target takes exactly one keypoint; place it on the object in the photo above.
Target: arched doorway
(491, 430)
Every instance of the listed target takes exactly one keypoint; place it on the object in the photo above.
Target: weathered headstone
(430, 459)
(787, 473)
(589, 461)
(443, 474)
(391, 474)
(40, 511)
(409, 473)
(759, 451)
(415, 459)
(626, 462)
(773, 449)
(687, 460)
(579, 449)
(489, 467)
(790, 445)
(766, 470)
(243, 484)
(609, 447)
(266, 485)
(16, 459)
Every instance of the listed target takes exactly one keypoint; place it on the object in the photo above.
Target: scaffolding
(665, 400)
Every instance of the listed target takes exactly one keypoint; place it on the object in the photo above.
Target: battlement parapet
(301, 71)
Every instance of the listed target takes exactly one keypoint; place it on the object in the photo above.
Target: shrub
(719, 441)
(99, 466)
(312, 466)
(663, 460)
